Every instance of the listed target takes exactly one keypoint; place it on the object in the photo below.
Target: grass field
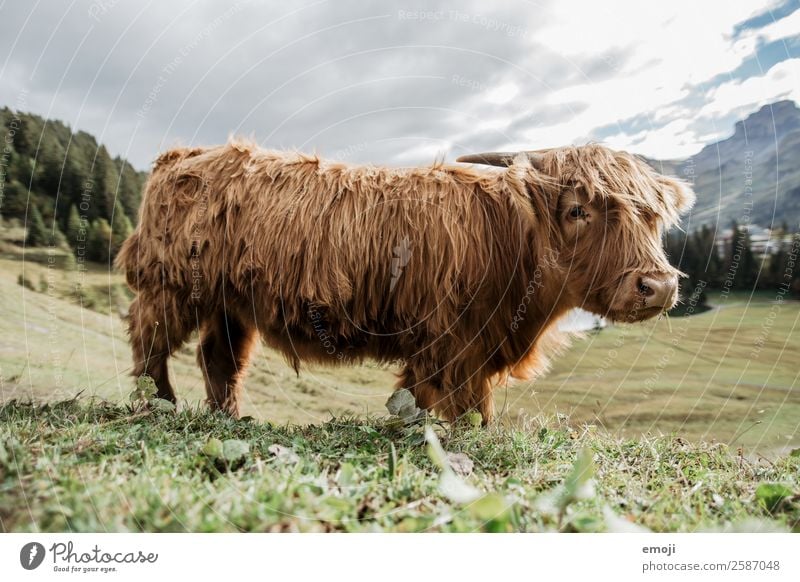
(74, 466)
(727, 375)
(731, 374)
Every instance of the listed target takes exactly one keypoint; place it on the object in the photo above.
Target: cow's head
(607, 212)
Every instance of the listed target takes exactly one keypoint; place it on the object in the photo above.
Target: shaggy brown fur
(458, 272)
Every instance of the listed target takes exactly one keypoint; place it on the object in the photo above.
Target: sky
(399, 83)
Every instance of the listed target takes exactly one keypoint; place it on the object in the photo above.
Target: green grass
(731, 374)
(76, 466)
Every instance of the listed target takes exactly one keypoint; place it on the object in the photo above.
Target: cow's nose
(658, 290)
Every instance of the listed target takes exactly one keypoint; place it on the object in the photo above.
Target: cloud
(682, 132)
(666, 55)
(502, 94)
(673, 139)
(685, 41)
(383, 83)
(784, 28)
(782, 81)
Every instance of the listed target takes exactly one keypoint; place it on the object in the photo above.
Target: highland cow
(458, 272)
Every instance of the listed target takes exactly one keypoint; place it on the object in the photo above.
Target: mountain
(753, 175)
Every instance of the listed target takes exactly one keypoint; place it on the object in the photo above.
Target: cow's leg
(472, 394)
(157, 329)
(448, 393)
(223, 353)
(427, 393)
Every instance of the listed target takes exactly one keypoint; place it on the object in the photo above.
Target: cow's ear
(680, 194)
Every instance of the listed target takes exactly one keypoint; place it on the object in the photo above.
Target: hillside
(764, 147)
(65, 186)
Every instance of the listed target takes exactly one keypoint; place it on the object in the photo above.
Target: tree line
(67, 188)
(732, 264)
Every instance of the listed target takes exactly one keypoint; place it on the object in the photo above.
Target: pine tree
(709, 265)
(121, 229)
(131, 185)
(775, 268)
(694, 264)
(75, 227)
(105, 183)
(748, 267)
(15, 200)
(794, 273)
(47, 175)
(57, 238)
(38, 235)
(740, 263)
(73, 175)
(98, 245)
(675, 248)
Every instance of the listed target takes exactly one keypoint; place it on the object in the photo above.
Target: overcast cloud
(399, 82)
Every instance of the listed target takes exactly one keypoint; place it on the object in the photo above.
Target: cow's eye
(577, 212)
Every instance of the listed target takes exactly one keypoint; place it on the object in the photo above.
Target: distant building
(763, 241)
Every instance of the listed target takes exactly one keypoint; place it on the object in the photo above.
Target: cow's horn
(489, 158)
(502, 159)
